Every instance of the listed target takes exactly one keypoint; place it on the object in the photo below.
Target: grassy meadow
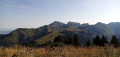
(66, 51)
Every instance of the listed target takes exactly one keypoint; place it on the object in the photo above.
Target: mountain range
(47, 33)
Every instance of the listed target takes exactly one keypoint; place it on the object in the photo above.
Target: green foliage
(30, 44)
(88, 43)
(76, 40)
(97, 40)
(100, 42)
(57, 44)
(58, 39)
(69, 41)
(104, 41)
(114, 41)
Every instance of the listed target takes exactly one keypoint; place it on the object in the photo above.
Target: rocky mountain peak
(73, 24)
(57, 23)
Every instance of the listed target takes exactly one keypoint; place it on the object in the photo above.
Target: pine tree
(114, 41)
(58, 39)
(58, 42)
(96, 40)
(104, 41)
(70, 40)
(76, 40)
(88, 43)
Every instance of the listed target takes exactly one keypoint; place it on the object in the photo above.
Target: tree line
(68, 41)
(98, 41)
(102, 41)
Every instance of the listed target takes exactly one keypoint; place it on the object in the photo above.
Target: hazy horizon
(36, 13)
(10, 29)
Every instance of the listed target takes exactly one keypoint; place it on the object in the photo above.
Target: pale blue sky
(36, 13)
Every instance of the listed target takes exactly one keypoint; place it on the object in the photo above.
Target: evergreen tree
(70, 40)
(76, 40)
(66, 41)
(58, 42)
(58, 39)
(104, 41)
(96, 40)
(30, 43)
(114, 41)
(88, 43)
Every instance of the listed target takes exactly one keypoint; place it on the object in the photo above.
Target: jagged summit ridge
(47, 33)
(57, 23)
(73, 24)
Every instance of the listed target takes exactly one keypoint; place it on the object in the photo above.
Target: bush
(57, 44)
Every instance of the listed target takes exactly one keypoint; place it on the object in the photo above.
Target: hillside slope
(115, 26)
(47, 33)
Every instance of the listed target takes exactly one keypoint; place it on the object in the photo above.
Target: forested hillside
(47, 33)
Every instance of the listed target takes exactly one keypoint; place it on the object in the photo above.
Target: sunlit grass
(67, 51)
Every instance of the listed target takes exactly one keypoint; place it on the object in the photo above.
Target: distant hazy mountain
(85, 24)
(41, 35)
(115, 26)
(5, 31)
(105, 29)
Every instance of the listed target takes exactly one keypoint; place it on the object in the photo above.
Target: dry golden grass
(67, 51)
